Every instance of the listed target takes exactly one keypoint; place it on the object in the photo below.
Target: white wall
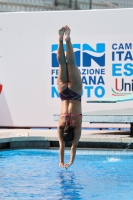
(25, 60)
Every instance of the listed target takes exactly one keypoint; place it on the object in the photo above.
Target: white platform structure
(112, 116)
(122, 116)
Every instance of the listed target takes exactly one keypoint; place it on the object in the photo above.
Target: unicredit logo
(1, 86)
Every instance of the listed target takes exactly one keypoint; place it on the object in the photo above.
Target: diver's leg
(74, 77)
(62, 73)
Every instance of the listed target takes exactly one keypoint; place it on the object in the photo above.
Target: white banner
(103, 46)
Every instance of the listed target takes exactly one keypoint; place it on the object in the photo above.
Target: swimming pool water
(35, 174)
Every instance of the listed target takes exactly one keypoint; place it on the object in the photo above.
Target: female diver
(70, 90)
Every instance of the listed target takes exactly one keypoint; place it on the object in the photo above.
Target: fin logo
(76, 48)
(1, 86)
(88, 54)
(97, 55)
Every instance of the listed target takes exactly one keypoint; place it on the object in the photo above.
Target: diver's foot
(61, 33)
(67, 33)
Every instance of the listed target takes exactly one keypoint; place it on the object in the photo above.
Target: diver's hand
(61, 164)
(68, 165)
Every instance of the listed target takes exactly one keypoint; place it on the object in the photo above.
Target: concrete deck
(29, 138)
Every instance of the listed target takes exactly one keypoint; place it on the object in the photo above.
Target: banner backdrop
(103, 47)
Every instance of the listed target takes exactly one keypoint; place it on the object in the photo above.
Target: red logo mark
(1, 88)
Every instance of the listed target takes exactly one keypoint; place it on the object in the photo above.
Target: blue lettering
(57, 72)
(116, 69)
(54, 92)
(128, 46)
(100, 80)
(119, 54)
(102, 71)
(99, 91)
(88, 88)
(113, 55)
(84, 81)
(114, 46)
(52, 80)
(92, 71)
(121, 46)
(97, 71)
(92, 80)
(83, 71)
(128, 56)
(53, 71)
(129, 68)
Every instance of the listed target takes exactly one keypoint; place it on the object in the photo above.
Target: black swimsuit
(68, 94)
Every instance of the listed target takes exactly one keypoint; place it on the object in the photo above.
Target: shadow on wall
(5, 115)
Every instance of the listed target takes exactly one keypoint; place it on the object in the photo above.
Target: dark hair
(68, 134)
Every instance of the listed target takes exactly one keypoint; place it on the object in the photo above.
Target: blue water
(35, 174)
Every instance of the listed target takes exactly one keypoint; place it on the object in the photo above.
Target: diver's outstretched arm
(62, 147)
